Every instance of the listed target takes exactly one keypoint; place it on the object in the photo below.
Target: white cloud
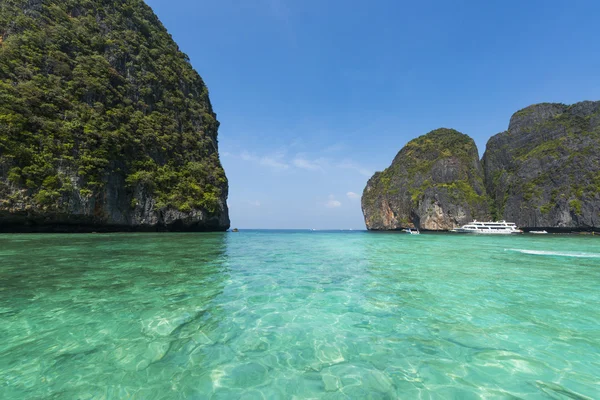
(304, 163)
(274, 162)
(254, 203)
(361, 170)
(247, 156)
(352, 195)
(280, 161)
(332, 203)
(335, 148)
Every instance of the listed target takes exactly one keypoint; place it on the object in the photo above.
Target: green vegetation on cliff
(418, 157)
(420, 154)
(436, 171)
(90, 89)
(542, 171)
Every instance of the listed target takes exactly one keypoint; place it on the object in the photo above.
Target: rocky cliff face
(434, 183)
(104, 124)
(544, 171)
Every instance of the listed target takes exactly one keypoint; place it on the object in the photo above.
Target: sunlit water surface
(278, 315)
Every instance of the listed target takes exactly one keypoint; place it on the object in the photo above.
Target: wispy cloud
(333, 203)
(248, 157)
(254, 203)
(335, 148)
(275, 161)
(346, 164)
(311, 165)
(303, 161)
(352, 195)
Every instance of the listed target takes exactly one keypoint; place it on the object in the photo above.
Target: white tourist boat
(411, 231)
(491, 228)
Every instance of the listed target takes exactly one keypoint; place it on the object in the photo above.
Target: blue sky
(314, 96)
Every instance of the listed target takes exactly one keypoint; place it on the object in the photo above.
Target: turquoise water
(279, 315)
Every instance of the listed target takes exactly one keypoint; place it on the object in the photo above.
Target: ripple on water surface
(273, 315)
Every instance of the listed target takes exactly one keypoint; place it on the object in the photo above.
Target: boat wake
(556, 253)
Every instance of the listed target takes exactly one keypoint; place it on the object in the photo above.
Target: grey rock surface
(434, 183)
(544, 171)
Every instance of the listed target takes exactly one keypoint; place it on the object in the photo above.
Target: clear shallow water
(273, 315)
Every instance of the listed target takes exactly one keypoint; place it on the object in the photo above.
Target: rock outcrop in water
(544, 171)
(434, 183)
(104, 124)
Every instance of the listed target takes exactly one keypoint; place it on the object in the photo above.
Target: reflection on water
(305, 314)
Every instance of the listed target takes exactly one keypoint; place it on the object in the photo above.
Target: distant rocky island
(104, 124)
(435, 182)
(543, 172)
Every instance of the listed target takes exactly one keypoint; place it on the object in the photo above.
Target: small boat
(411, 231)
(539, 232)
(490, 228)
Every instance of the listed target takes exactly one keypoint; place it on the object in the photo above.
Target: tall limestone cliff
(104, 124)
(544, 171)
(434, 183)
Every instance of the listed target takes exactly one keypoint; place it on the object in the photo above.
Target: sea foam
(557, 253)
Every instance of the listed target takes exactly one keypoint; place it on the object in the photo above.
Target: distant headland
(543, 172)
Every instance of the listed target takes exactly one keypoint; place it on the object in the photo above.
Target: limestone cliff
(104, 124)
(434, 183)
(544, 171)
